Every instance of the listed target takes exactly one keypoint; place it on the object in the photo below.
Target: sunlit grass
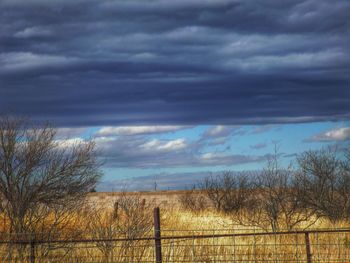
(176, 221)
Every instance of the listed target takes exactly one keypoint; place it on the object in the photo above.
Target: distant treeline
(318, 186)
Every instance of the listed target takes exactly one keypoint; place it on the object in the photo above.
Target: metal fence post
(157, 236)
(32, 251)
(308, 248)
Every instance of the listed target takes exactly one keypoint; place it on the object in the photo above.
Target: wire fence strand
(318, 245)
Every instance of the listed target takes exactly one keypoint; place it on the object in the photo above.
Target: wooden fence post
(157, 236)
(32, 251)
(308, 248)
(115, 210)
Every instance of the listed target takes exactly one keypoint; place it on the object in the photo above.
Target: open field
(127, 235)
(162, 199)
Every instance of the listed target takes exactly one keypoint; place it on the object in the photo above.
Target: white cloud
(136, 130)
(210, 156)
(222, 131)
(69, 142)
(220, 134)
(70, 132)
(338, 134)
(158, 145)
(218, 131)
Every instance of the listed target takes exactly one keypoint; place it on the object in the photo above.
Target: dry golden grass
(176, 221)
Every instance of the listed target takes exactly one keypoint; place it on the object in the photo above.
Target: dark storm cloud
(175, 62)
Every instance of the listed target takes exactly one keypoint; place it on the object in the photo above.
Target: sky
(174, 90)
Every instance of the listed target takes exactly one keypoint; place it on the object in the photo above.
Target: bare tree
(324, 183)
(40, 174)
(274, 203)
(193, 200)
(227, 192)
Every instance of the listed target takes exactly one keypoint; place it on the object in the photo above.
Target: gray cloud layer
(140, 152)
(175, 62)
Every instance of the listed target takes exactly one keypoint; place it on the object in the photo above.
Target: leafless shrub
(227, 192)
(102, 225)
(193, 200)
(284, 197)
(130, 218)
(274, 204)
(134, 215)
(267, 200)
(324, 183)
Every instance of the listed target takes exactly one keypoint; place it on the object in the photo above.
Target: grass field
(134, 219)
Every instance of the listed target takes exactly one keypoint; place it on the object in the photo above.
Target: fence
(318, 245)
